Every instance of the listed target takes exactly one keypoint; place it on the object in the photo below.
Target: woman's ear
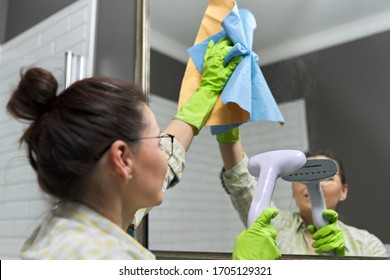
(344, 192)
(120, 159)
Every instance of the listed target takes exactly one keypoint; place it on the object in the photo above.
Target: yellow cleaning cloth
(221, 114)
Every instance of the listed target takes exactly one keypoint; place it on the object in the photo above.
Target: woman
(97, 149)
(295, 233)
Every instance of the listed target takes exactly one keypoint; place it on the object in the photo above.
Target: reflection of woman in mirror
(294, 231)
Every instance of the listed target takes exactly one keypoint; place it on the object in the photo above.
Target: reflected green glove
(258, 242)
(329, 237)
(230, 136)
(198, 107)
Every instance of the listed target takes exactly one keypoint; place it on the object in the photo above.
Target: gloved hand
(197, 108)
(230, 136)
(329, 237)
(258, 241)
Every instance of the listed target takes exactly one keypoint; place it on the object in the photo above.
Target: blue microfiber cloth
(247, 86)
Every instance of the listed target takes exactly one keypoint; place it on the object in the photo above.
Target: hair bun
(34, 95)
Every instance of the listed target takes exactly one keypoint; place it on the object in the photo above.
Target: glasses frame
(165, 135)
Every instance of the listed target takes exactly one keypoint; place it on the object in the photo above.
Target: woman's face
(150, 165)
(333, 190)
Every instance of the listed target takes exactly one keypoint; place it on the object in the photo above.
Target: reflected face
(333, 189)
(150, 165)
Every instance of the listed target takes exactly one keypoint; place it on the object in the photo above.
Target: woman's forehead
(150, 119)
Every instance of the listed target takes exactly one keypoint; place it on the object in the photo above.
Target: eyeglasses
(166, 144)
(328, 181)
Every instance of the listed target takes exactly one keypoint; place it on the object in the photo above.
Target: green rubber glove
(198, 107)
(230, 136)
(329, 237)
(258, 242)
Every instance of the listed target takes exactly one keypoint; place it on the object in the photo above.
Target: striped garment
(74, 231)
(239, 184)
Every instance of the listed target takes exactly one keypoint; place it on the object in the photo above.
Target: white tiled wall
(197, 215)
(21, 202)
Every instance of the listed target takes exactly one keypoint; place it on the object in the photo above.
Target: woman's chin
(160, 199)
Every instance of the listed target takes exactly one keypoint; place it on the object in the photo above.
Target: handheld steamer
(268, 167)
(315, 171)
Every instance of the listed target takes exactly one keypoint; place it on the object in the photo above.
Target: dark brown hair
(67, 131)
(333, 156)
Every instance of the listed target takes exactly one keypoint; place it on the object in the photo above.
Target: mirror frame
(142, 48)
(142, 79)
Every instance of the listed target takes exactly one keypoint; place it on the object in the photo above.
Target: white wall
(197, 215)
(21, 201)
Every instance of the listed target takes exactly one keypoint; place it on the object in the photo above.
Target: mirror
(320, 60)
